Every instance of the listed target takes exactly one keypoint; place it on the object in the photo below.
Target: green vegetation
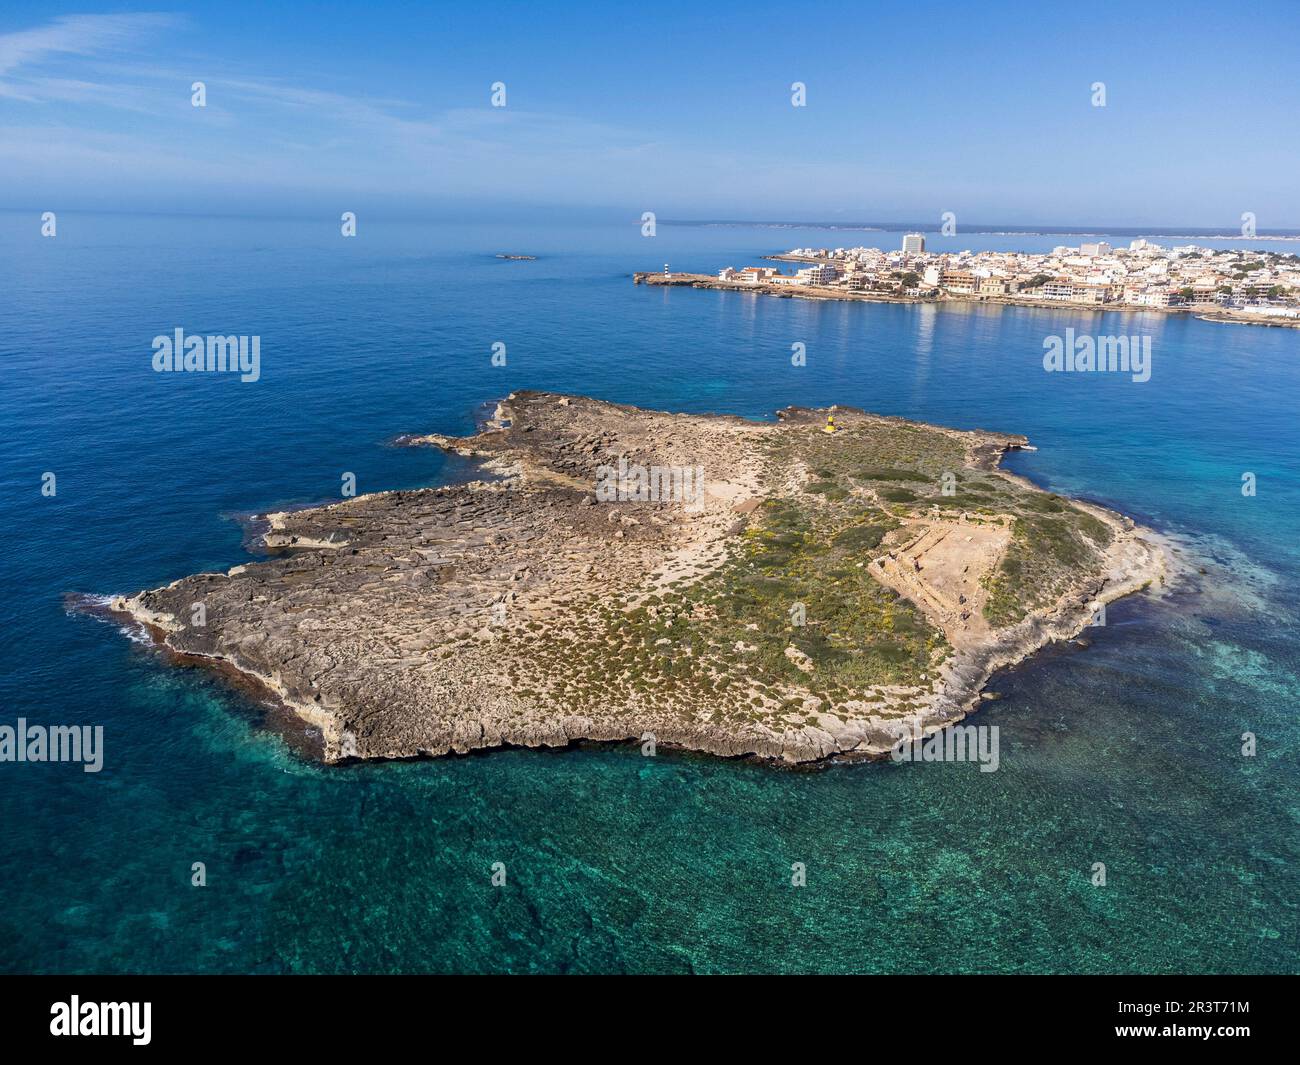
(796, 579)
(793, 614)
(1047, 549)
(898, 495)
(870, 473)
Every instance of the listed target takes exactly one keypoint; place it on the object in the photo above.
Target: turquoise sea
(1126, 753)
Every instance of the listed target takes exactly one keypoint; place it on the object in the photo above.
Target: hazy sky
(980, 108)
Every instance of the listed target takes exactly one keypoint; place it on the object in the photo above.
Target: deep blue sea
(1126, 753)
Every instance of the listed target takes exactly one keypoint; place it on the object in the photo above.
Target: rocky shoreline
(790, 602)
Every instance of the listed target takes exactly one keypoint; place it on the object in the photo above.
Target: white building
(818, 274)
(1150, 297)
(914, 244)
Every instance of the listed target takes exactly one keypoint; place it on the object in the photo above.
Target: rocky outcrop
(539, 610)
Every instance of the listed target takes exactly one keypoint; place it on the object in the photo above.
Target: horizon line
(386, 212)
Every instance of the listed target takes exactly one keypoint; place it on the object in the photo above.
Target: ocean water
(1126, 753)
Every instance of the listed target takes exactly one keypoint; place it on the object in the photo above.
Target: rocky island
(796, 590)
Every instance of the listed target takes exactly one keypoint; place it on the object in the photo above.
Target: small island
(517, 258)
(795, 590)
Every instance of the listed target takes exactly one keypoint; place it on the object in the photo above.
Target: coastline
(822, 292)
(1133, 559)
(1139, 558)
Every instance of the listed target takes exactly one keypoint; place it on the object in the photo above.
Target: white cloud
(262, 132)
(77, 35)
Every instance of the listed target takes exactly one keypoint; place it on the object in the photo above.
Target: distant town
(1218, 284)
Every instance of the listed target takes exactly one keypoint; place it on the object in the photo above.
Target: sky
(911, 110)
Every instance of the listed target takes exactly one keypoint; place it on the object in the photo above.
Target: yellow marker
(830, 424)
